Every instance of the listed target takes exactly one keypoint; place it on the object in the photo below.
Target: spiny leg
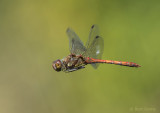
(78, 58)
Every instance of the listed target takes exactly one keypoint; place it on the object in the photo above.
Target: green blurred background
(33, 34)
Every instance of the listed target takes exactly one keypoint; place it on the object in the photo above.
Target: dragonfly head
(57, 65)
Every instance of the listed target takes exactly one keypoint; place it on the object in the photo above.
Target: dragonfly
(81, 55)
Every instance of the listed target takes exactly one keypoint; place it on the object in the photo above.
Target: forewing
(75, 44)
(94, 31)
(95, 45)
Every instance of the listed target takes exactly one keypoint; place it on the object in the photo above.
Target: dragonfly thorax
(72, 62)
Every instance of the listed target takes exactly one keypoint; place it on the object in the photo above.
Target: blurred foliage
(32, 35)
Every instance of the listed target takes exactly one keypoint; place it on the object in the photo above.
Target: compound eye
(58, 65)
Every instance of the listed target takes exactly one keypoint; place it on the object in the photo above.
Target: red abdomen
(130, 64)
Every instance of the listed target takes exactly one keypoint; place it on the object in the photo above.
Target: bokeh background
(33, 34)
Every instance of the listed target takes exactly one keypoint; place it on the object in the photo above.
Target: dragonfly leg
(79, 58)
(74, 69)
(73, 55)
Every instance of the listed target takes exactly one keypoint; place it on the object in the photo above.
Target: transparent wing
(75, 44)
(95, 45)
(93, 33)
